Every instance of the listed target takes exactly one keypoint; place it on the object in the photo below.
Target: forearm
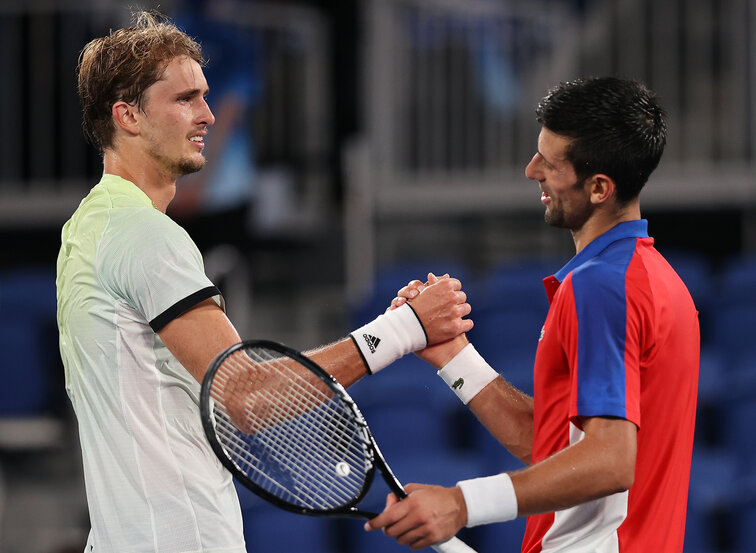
(578, 474)
(507, 413)
(602, 463)
(340, 359)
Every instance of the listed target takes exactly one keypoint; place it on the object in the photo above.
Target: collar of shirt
(628, 229)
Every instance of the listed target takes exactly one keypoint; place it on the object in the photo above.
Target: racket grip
(454, 545)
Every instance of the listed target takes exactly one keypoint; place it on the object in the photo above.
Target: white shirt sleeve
(151, 263)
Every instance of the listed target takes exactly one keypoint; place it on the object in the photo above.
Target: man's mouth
(198, 140)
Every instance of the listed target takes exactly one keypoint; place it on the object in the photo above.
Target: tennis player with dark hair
(140, 321)
(607, 436)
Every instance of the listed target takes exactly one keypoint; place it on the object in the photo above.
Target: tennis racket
(289, 432)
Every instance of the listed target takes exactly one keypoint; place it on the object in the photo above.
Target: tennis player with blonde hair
(140, 321)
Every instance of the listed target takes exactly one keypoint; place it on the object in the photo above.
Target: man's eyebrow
(193, 92)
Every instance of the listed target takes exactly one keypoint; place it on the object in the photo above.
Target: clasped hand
(450, 338)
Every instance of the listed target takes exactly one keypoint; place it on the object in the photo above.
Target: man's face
(567, 201)
(175, 118)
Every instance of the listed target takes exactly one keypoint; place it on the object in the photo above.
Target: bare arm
(601, 464)
(507, 413)
(198, 335)
(342, 360)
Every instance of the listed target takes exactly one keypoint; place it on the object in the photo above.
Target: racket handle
(454, 545)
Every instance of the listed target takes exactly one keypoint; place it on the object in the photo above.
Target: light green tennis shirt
(153, 484)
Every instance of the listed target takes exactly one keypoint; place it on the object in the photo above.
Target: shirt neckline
(628, 229)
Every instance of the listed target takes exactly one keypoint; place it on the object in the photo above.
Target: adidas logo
(372, 342)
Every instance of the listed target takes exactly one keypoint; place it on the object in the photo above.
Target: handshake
(425, 317)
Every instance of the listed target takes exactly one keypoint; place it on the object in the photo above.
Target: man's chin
(189, 166)
(553, 220)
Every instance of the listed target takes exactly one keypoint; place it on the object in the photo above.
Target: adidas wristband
(389, 337)
(467, 373)
(489, 499)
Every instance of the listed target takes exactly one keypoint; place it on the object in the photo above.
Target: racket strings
(297, 461)
(301, 442)
(288, 483)
(284, 411)
(282, 405)
(297, 444)
(309, 395)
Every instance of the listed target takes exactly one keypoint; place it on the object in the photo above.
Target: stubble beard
(184, 165)
(187, 166)
(179, 167)
(557, 216)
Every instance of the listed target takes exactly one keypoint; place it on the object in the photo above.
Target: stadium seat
(268, 529)
(519, 282)
(29, 358)
(695, 271)
(743, 515)
(407, 428)
(732, 330)
(736, 281)
(733, 312)
(712, 377)
(510, 314)
(507, 338)
(737, 429)
(713, 487)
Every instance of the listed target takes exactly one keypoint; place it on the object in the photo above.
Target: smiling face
(175, 118)
(567, 201)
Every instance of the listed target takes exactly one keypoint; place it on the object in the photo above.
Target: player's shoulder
(605, 272)
(142, 230)
(141, 226)
(136, 218)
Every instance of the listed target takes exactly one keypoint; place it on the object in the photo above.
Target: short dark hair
(122, 66)
(616, 127)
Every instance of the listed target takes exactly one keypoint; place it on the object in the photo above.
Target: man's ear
(601, 188)
(125, 117)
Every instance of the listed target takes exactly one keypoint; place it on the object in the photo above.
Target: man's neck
(603, 220)
(158, 186)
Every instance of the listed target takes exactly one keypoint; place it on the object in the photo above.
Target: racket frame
(373, 454)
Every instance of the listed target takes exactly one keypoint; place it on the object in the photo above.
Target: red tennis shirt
(621, 339)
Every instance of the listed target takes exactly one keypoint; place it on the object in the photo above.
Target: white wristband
(467, 373)
(489, 499)
(389, 337)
